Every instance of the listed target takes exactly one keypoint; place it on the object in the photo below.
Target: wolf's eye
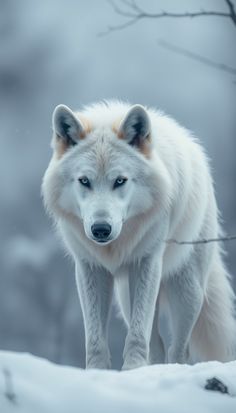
(119, 181)
(84, 181)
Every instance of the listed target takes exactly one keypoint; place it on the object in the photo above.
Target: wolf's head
(101, 171)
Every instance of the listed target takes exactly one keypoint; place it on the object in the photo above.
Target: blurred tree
(134, 13)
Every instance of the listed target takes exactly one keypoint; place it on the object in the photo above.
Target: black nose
(101, 230)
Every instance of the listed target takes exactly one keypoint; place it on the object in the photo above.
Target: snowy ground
(32, 385)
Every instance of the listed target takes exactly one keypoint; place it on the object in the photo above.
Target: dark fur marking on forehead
(102, 138)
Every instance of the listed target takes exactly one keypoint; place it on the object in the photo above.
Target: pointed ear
(67, 126)
(135, 127)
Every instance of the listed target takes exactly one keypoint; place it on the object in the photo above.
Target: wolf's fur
(168, 194)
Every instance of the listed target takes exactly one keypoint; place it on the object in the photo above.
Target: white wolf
(122, 180)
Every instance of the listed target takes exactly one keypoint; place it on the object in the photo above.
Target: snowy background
(51, 53)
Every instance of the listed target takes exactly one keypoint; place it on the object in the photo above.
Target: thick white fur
(168, 195)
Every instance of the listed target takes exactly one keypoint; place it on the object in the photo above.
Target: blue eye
(85, 181)
(119, 182)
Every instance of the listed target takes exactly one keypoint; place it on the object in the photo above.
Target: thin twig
(121, 26)
(202, 241)
(232, 10)
(9, 389)
(136, 13)
(196, 56)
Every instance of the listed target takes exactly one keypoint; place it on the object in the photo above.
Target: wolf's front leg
(95, 286)
(144, 282)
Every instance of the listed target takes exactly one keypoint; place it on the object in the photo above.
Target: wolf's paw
(135, 353)
(98, 360)
(98, 364)
(178, 355)
(134, 363)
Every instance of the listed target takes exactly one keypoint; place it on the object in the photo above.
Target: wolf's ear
(66, 125)
(135, 127)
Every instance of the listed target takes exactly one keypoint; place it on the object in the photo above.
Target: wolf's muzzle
(101, 231)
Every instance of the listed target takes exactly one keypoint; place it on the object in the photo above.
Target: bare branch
(231, 10)
(202, 241)
(9, 390)
(196, 56)
(120, 27)
(135, 13)
(121, 12)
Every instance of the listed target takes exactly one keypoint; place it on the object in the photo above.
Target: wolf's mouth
(102, 242)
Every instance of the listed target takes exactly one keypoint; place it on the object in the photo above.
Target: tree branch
(9, 389)
(231, 10)
(135, 13)
(202, 241)
(197, 57)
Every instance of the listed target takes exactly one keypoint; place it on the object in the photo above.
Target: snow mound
(32, 385)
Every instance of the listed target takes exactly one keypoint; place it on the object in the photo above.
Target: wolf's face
(103, 177)
(106, 187)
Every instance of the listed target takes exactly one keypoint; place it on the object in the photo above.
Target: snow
(32, 385)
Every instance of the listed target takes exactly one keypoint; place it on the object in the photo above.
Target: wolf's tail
(214, 335)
